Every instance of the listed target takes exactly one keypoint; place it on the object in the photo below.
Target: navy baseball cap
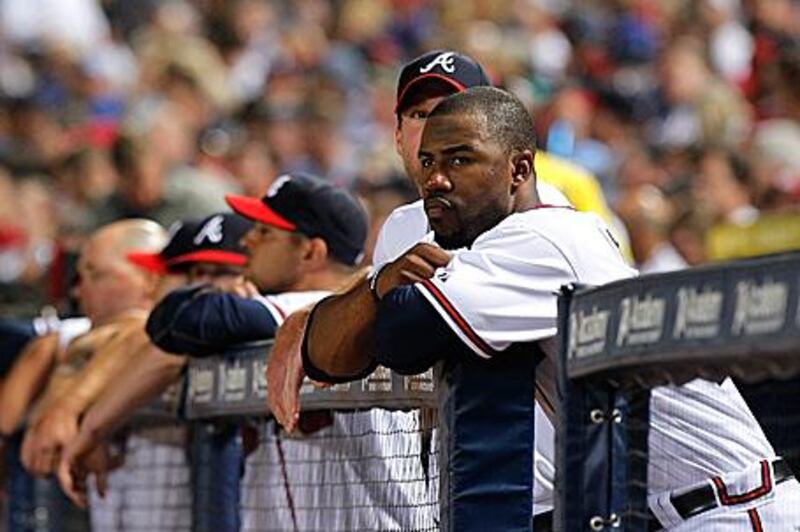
(441, 66)
(311, 206)
(215, 239)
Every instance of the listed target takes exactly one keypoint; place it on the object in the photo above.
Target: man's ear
(154, 285)
(521, 168)
(398, 139)
(316, 253)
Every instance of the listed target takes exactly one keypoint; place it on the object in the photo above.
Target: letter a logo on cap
(444, 60)
(212, 231)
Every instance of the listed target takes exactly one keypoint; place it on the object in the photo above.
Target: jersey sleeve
(200, 322)
(503, 290)
(409, 336)
(404, 227)
(281, 305)
(381, 254)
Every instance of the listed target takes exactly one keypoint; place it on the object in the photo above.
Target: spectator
(703, 109)
(723, 187)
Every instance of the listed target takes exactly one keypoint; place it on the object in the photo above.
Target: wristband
(372, 281)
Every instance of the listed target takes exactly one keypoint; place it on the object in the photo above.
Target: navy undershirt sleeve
(411, 336)
(199, 321)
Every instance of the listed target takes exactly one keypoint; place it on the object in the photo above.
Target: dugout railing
(222, 402)
(227, 393)
(618, 342)
(622, 340)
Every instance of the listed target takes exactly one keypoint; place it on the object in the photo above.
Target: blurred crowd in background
(687, 112)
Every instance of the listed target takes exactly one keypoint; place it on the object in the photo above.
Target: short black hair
(508, 121)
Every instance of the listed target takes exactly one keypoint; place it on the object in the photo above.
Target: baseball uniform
(698, 432)
(357, 472)
(408, 225)
(151, 491)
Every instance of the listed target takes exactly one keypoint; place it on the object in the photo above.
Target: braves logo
(445, 60)
(212, 231)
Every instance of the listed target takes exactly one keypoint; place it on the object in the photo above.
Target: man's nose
(437, 181)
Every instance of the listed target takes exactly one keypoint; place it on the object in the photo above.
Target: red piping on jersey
(460, 321)
(729, 500)
(280, 311)
(755, 520)
(285, 474)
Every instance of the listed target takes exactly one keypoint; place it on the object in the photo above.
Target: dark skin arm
(340, 338)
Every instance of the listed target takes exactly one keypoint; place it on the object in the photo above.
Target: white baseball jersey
(281, 305)
(697, 430)
(152, 489)
(360, 473)
(408, 225)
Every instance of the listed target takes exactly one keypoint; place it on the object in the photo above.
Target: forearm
(145, 380)
(103, 369)
(202, 322)
(25, 381)
(339, 337)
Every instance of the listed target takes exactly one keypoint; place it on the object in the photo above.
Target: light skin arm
(146, 378)
(340, 340)
(26, 380)
(58, 422)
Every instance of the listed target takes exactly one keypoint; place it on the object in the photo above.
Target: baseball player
(308, 240)
(31, 346)
(710, 465)
(140, 495)
(422, 84)
(114, 296)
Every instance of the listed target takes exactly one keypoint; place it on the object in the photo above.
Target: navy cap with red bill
(215, 239)
(311, 206)
(455, 71)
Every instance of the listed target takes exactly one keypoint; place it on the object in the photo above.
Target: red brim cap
(214, 256)
(255, 209)
(450, 81)
(152, 262)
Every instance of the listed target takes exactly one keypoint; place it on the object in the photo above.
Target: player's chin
(448, 239)
(443, 221)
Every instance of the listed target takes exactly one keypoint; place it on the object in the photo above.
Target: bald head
(109, 283)
(129, 236)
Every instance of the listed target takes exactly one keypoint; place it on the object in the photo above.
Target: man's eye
(426, 163)
(459, 161)
(418, 115)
